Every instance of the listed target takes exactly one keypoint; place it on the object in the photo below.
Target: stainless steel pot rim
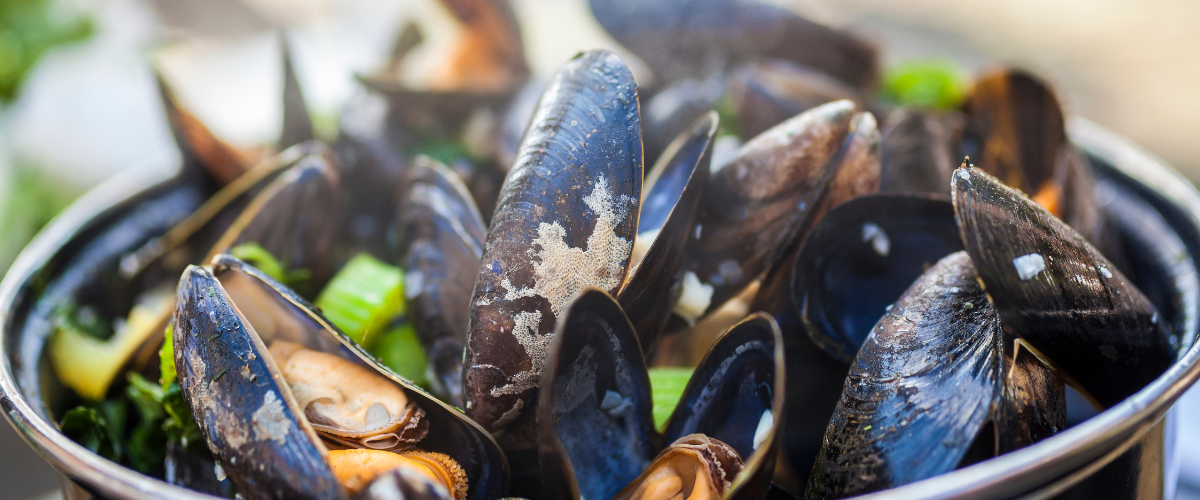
(1052, 458)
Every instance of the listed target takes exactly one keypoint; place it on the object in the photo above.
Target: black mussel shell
(765, 93)
(205, 157)
(758, 203)
(245, 412)
(1058, 293)
(370, 159)
(566, 219)
(441, 239)
(594, 410)
(920, 150)
(919, 390)
(857, 171)
(681, 38)
(295, 218)
(736, 395)
(674, 108)
(676, 185)
(1015, 131)
(297, 125)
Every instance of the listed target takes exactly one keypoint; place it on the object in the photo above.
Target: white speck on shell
(878, 239)
(1105, 272)
(1029, 265)
(765, 422)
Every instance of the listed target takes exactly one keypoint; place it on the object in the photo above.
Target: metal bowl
(1124, 452)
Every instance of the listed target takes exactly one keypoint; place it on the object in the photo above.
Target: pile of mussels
(886, 316)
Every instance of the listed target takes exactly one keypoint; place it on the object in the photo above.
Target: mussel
(441, 235)
(566, 219)
(293, 408)
(971, 361)
(597, 437)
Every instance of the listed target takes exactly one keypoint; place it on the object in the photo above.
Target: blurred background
(78, 101)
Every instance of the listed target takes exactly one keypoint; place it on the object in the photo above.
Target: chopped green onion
(934, 83)
(400, 349)
(666, 387)
(363, 297)
(166, 357)
(260, 258)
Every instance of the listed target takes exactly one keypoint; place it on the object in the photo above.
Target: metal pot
(1125, 452)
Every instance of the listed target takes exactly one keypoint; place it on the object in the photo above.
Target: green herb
(179, 424)
(937, 83)
(145, 396)
(147, 446)
(400, 349)
(727, 123)
(28, 28)
(444, 151)
(666, 387)
(88, 427)
(363, 297)
(166, 356)
(82, 319)
(265, 261)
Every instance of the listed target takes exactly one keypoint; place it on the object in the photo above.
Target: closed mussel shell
(759, 202)
(594, 410)
(919, 390)
(566, 219)
(441, 239)
(765, 93)
(1058, 293)
(675, 187)
(920, 150)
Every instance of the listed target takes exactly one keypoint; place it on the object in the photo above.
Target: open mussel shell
(243, 407)
(920, 150)
(861, 257)
(295, 218)
(926, 384)
(1160, 264)
(189, 241)
(673, 109)
(1058, 293)
(594, 411)
(259, 310)
(441, 239)
(759, 202)
(674, 189)
(566, 219)
(736, 395)
(597, 434)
